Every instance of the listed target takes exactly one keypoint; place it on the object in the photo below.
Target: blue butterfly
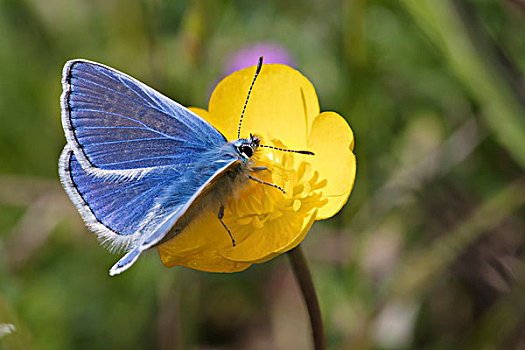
(139, 166)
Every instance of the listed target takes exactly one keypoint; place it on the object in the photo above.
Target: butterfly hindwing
(136, 213)
(112, 207)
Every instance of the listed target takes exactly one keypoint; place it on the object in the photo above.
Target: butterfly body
(138, 166)
(224, 186)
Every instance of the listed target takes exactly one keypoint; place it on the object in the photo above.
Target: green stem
(304, 278)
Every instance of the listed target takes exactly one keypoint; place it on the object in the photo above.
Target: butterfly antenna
(259, 66)
(289, 150)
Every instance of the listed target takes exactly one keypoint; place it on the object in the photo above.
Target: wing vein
(124, 117)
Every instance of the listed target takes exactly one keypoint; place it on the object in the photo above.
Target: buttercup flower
(284, 112)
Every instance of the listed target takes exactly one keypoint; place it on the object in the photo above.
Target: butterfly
(139, 166)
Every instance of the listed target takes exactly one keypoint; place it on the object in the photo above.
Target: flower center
(257, 206)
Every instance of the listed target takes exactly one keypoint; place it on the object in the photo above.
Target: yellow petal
(282, 105)
(271, 240)
(332, 141)
(200, 112)
(197, 247)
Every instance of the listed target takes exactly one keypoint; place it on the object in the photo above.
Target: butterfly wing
(136, 213)
(117, 125)
(131, 158)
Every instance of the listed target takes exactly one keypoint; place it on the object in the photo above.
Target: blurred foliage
(428, 253)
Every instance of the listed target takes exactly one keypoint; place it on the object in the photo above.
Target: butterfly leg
(220, 216)
(266, 183)
(259, 168)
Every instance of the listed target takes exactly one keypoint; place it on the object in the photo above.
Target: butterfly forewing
(114, 122)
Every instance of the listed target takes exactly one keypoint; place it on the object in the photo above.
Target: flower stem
(304, 278)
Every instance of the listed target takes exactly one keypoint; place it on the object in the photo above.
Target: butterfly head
(246, 147)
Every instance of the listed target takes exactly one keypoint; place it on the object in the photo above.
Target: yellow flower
(284, 111)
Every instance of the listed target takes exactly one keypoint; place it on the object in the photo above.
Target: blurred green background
(428, 252)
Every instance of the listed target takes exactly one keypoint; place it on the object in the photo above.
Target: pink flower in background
(249, 55)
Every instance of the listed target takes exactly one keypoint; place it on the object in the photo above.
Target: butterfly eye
(246, 150)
